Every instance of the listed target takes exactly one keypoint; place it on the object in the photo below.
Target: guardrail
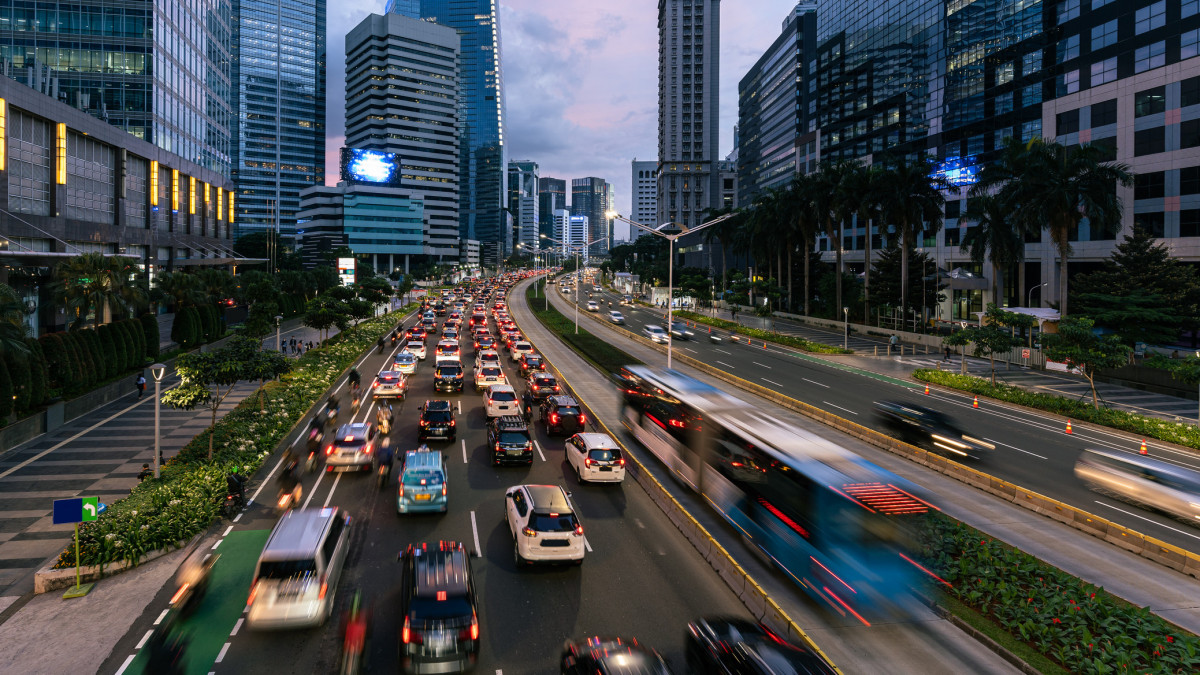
(1131, 540)
(752, 595)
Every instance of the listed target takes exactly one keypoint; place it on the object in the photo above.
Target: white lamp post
(158, 370)
(671, 258)
(278, 318)
(1030, 300)
(846, 332)
(578, 276)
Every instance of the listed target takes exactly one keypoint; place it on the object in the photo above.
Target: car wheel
(517, 555)
(579, 475)
(577, 563)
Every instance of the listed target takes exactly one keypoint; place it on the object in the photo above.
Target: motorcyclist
(380, 343)
(235, 483)
(166, 648)
(289, 482)
(354, 378)
(385, 456)
(383, 416)
(331, 409)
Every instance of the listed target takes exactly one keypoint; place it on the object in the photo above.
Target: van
(297, 574)
(422, 482)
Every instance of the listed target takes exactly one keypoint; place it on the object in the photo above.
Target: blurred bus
(839, 526)
(1147, 480)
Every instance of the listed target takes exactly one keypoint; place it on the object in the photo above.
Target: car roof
(357, 429)
(653, 327)
(597, 440)
(441, 570)
(437, 404)
(390, 373)
(563, 399)
(549, 497)
(403, 356)
(501, 387)
(423, 459)
(298, 533)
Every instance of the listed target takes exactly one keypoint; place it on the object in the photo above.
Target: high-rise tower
(523, 203)
(688, 84)
(589, 197)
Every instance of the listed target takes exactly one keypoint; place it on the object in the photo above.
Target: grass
(767, 335)
(602, 355)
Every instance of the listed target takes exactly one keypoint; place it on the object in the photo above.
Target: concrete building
(524, 203)
(71, 183)
(552, 196)
(589, 197)
(379, 221)
(278, 78)
(643, 207)
(688, 97)
(402, 97)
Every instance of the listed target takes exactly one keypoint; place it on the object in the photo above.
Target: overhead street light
(158, 370)
(671, 257)
(577, 248)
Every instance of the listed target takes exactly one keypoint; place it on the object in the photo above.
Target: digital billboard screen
(370, 166)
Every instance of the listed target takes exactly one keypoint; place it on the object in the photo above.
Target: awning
(961, 279)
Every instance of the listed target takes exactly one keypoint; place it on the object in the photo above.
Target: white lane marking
(539, 449)
(770, 382)
(475, 534)
(639, 523)
(237, 626)
(1015, 448)
(266, 480)
(227, 531)
(499, 672)
(690, 350)
(838, 407)
(760, 364)
(320, 477)
(815, 382)
(1147, 520)
(723, 351)
(464, 447)
(336, 480)
(214, 546)
(587, 545)
(129, 659)
(221, 656)
(238, 516)
(161, 616)
(460, 408)
(724, 364)
(145, 637)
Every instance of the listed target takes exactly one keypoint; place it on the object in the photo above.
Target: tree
(133, 332)
(994, 238)
(324, 312)
(989, 339)
(109, 364)
(92, 283)
(859, 193)
(260, 321)
(150, 330)
(1077, 345)
(888, 270)
(913, 204)
(208, 378)
(180, 289)
(17, 366)
(37, 373)
(404, 287)
(1141, 293)
(12, 320)
(375, 290)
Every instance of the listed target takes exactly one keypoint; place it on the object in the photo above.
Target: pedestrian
(892, 341)
(140, 383)
(946, 356)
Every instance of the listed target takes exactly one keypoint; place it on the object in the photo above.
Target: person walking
(892, 342)
(946, 356)
(140, 383)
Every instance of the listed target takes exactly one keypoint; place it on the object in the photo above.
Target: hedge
(37, 373)
(75, 377)
(601, 354)
(1150, 427)
(86, 368)
(133, 328)
(767, 335)
(152, 337)
(133, 350)
(93, 343)
(113, 356)
(165, 512)
(6, 392)
(58, 363)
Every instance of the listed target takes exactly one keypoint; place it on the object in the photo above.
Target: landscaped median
(1051, 620)
(162, 513)
(765, 335)
(1151, 427)
(605, 357)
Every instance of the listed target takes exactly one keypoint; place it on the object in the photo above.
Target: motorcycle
(385, 426)
(354, 638)
(287, 500)
(192, 580)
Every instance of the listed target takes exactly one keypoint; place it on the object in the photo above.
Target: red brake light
(579, 530)
(621, 461)
(554, 418)
(453, 422)
(329, 449)
(582, 418)
(587, 461)
(474, 626)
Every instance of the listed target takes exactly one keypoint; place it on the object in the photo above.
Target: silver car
(616, 317)
(655, 333)
(680, 330)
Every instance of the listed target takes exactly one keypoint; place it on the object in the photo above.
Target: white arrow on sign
(91, 509)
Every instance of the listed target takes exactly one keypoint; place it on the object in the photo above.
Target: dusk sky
(581, 80)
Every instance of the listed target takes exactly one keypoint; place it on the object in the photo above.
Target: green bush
(17, 366)
(37, 373)
(58, 363)
(89, 338)
(6, 393)
(1150, 427)
(87, 365)
(164, 513)
(76, 377)
(133, 350)
(133, 328)
(604, 356)
(150, 331)
(766, 335)
(207, 328)
(1076, 624)
(111, 363)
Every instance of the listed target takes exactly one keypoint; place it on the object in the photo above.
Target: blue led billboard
(370, 166)
(958, 171)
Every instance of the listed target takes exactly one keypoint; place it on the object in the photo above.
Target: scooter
(192, 580)
(715, 339)
(288, 500)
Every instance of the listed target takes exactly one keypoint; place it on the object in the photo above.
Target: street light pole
(278, 318)
(1030, 300)
(158, 370)
(846, 332)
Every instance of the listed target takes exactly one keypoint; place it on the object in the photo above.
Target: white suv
(520, 349)
(487, 357)
(500, 400)
(595, 458)
(543, 524)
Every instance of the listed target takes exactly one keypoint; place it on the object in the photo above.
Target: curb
(978, 635)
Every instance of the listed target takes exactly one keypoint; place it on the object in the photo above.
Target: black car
(541, 385)
(437, 421)
(439, 309)
(610, 656)
(562, 415)
(531, 363)
(731, 646)
(448, 377)
(509, 440)
(440, 629)
(929, 428)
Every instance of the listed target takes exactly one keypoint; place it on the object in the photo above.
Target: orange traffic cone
(1143, 450)
(1069, 427)
(975, 403)
(926, 390)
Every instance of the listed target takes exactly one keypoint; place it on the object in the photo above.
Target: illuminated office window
(60, 154)
(220, 204)
(3, 134)
(154, 185)
(230, 218)
(192, 195)
(175, 190)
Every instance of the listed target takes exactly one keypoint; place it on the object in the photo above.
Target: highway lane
(641, 578)
(1032, 449)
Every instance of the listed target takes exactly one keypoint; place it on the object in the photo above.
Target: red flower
(1170, 639)
(1056, 620)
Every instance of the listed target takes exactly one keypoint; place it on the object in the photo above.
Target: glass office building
(279, 137)
(484, 162)
(524, 203)
(159, 69)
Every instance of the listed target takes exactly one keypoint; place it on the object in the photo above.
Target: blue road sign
(68, 511)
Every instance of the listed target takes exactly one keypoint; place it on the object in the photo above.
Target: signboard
(346, 271)
(77, 510)
(1024, 353)
(371, 166)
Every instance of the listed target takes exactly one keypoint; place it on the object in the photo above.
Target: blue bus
(839, 526)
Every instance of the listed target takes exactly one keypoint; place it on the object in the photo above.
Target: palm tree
(859, 192)
(1054, 187)
(994, 237)
(93, 282)
(829, 211)
(180, 289)
(721, 232)
(913, 203)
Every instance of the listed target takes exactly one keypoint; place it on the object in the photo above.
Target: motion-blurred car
(404, 362)
(389, 384)
(616, 317)
(544, 525)
(929, 428)
(440, 633)
(1140, 478)
(731, 646)
(655, 333)
(595, 457)
(610, 656)
(593, 306)
(680, 330)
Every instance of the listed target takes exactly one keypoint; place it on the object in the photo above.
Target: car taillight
(376, 384)
(621, 462)
(324, 588)
(424, 423)
(579, 530)
(474, 626)
(329, 449)
(497, 447)
(556, 387)
(453, 422)
(367, 448)
(408, 635)
(582, 418)
(587, 461)
(443, 489)
(553, 418)
(528, 531)
(400, 493)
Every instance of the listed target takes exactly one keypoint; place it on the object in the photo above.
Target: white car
(616, 317)
(680, 330)
(487, 376)
(520, 349)
(655, 333)
(595, 458)
(404, 362)
(593, 306)
(416, 348)
(448, 348)
(487, 357)
(544, 525)
(500, 400)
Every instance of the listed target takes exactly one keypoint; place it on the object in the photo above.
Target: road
(1032, 449)
(641, 578)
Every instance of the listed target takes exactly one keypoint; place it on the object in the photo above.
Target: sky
(581, 81)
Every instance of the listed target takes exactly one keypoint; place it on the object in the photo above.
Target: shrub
(6, 393)
(207, 329)
(111, 361)
(77, 376)
(766, 335)
(87, 366)
(150, 331)
(186, 329)
(133, 349)
(37, 373)
(58, 362)
(88, 337)
(17, 366)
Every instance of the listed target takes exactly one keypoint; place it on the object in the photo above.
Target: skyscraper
(279, 132)
(688, 94)
(484, 162)
(402, 98)
(523, 203)
(644, 202)
(589, 197)
(552, 196)
(159, 69)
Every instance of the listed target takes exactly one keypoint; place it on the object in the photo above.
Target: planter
(48, 579)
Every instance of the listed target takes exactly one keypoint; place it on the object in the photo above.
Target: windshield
(514, 437)
(286, 569)
(428, 478)
(503, 396)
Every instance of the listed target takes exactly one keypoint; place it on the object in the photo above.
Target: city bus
(839, 526)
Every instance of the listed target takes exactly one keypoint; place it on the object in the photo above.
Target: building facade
(71, 184)
(278, 50)
(158, 69)
(382, 222)
(552, 196)
(589, 197)
(402, 98)
(482, 118)
(643, 207)
(688, 97)
(524, 203)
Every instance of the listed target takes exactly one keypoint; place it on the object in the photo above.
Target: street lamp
(671, 258)
(962, 367)
(846, 333)
(1030, 300)
(278, 318)
(578, 277)
(158, 370)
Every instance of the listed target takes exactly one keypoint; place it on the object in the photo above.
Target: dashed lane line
(475, 535)
(839, 407)
(815, 382)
